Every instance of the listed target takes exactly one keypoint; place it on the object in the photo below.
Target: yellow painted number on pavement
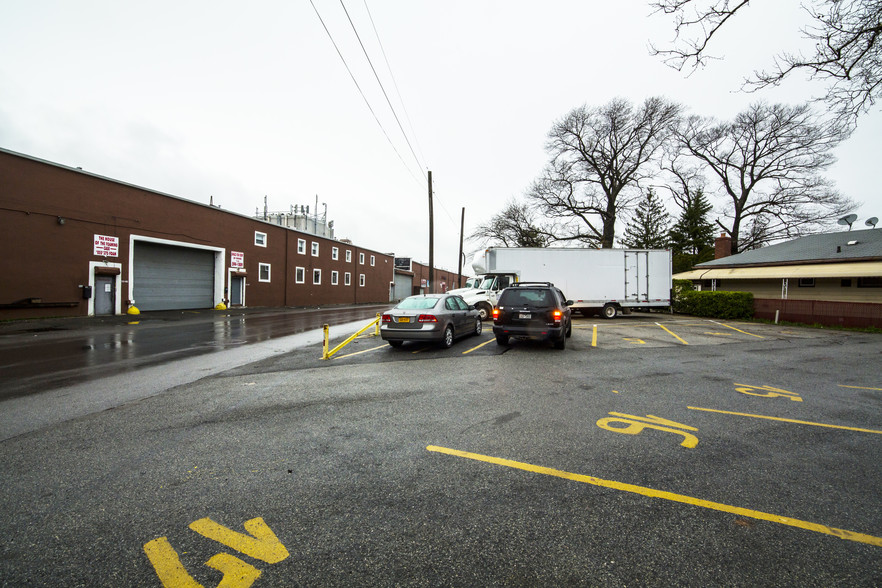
(767, 392)
(261, 543)
(636, 424)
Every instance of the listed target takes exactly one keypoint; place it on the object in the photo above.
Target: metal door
(237, 290)
(105, 294)
(168, 277)
(636, 275)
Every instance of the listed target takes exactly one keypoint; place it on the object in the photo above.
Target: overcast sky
(238, 101)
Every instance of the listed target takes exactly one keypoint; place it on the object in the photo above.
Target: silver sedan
(430, 317)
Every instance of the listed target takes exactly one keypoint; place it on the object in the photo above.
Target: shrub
(726, 305)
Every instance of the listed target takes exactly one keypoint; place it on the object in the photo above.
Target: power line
(383, 88)
(394, 81)
(331, 37)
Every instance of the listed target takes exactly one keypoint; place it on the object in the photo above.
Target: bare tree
(599, 156)
(515, 226)
(768, 162)
(846, 34)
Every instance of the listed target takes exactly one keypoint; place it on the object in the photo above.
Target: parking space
(653, 450)
(638, 330)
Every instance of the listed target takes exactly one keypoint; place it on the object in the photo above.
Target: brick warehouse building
(77, 244)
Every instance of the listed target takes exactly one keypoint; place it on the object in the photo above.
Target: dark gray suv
(536, 310)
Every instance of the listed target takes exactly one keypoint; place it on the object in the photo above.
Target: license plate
(404, 319)
(524, 315)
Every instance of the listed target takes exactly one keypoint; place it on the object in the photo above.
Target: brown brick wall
(45, 260)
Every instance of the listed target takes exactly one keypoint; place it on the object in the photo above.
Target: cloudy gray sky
(238, 101)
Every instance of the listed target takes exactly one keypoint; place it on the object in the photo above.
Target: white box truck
(607, 281)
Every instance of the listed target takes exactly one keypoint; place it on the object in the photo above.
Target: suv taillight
(556, 315)
(495, 313)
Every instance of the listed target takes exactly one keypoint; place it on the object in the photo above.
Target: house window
(263, 272)
(875, 282)
(348, 256)
(315, 249)
(806, 282)
(316, 277)
(259, 239)
(361, 280)
(299, 275)
(335, 253)
(361, 259)
(373, 260)
(335, 277)
(301, 246)
(347, 279)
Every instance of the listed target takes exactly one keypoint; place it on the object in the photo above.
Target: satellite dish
(847, 220)
(871, 222)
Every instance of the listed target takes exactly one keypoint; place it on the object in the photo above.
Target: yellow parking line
(739, 330)
(359, 352)
(673, 334)
(652, 493)
(859, 387)
(771, 418)
(479, 346)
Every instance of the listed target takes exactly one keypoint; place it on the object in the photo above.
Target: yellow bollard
(377, 330)
(325, 344)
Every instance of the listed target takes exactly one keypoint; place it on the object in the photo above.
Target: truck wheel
(610, 311)
(484, 310)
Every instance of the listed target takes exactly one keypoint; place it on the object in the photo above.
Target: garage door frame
(219, 262)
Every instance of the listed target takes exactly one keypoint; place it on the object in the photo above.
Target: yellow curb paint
(672, 334)
(649, 492)
(783, 420)
(859, 387)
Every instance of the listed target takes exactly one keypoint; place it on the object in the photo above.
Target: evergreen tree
(648, 228)
(692, 236)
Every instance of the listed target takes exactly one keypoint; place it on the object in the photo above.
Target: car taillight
(427, 318)
(387, 318)
(495, 313)
(556, 315)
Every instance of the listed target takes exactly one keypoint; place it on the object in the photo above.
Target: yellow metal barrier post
(326, 329)
(327, 354)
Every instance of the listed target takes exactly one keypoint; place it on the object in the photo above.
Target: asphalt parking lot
(655, 450)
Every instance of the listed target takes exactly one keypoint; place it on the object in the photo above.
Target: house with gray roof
(831, 278)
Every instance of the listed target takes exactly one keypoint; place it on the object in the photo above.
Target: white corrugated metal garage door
(171, 278)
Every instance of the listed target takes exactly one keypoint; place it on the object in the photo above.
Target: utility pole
(461, 230)
(431, 287)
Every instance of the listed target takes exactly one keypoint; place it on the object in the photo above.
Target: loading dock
(170, 275)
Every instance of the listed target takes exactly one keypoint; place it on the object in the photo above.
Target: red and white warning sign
(106, 246)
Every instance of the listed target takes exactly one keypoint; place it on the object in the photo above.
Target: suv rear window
(527, 297)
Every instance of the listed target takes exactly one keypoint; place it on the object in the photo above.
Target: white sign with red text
(237, 259)
(106, 246)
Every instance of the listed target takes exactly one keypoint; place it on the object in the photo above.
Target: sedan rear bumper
(434, 332)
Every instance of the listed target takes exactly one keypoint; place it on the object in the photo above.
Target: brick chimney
(722, 246)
